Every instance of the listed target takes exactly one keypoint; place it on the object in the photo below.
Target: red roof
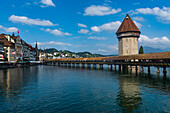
(127, 25)
(30, 46)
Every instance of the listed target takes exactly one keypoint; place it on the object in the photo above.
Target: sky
(85, 25)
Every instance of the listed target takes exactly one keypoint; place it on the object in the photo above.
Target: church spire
(36, 46)
(13, 35)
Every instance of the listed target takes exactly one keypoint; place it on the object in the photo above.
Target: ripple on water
(59, 89)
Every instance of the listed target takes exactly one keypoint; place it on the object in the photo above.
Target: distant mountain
(111, 55)
(154, 50)
(51, 50)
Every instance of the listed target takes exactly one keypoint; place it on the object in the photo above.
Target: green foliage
(69, 53)
(141, 51)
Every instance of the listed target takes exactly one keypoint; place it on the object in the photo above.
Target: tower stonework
(128, 35)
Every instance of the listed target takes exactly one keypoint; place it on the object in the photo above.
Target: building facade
(14, 49)
(8, 47)
(18, 48)
(1, 52)
(128, 35)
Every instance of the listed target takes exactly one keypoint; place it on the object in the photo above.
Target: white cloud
(161, 14)
(107, 49)
(95, 28)
(112, 26)
(137, 3)
(82, 25)
(138, 18)
(26, 20)
(83, 31)
(94, 10)
(113, 47)
(102, 50)
(109, 1)
(97, 38)
(53, 43)
(162, 42)
(47, 3)
(28, 3)
(56, 32)
(9, 29)
(138, 24)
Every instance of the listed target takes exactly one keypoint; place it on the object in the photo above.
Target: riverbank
(5, 65)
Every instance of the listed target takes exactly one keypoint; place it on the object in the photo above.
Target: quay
(4, 65)
(127, 62)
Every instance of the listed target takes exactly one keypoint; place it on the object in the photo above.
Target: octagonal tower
(128, 35)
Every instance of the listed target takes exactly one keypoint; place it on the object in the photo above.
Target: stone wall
(128, 46)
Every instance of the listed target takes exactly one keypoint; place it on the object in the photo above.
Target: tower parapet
(128, 35)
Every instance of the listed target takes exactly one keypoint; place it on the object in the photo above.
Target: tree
(141, 50)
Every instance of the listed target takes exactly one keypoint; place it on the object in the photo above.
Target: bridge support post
(164, 71)
(120, 67)
(142, 70)
(94, 65)
(149, 70)
(115, 67)
(124, 67)
(136, 69)
(101, 66)
(157, 70)
(111, 66)
(88, 65)
(130, 68)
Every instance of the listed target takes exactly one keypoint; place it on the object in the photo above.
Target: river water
(56, 89)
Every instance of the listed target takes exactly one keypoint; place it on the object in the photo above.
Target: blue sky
(85, 25)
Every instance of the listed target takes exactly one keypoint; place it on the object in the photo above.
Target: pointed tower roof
(36, 46)
(127, 25)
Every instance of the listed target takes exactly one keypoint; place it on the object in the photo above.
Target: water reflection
(58, 89)
(128, 96)
(13, 80)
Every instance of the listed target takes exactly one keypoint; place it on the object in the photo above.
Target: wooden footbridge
(127, 62)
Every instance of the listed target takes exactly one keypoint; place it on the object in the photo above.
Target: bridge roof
(127, 25)
(151, 56)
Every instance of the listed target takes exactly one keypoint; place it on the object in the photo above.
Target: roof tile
(127, 25)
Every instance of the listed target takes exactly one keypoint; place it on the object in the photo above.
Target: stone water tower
(128, 35)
